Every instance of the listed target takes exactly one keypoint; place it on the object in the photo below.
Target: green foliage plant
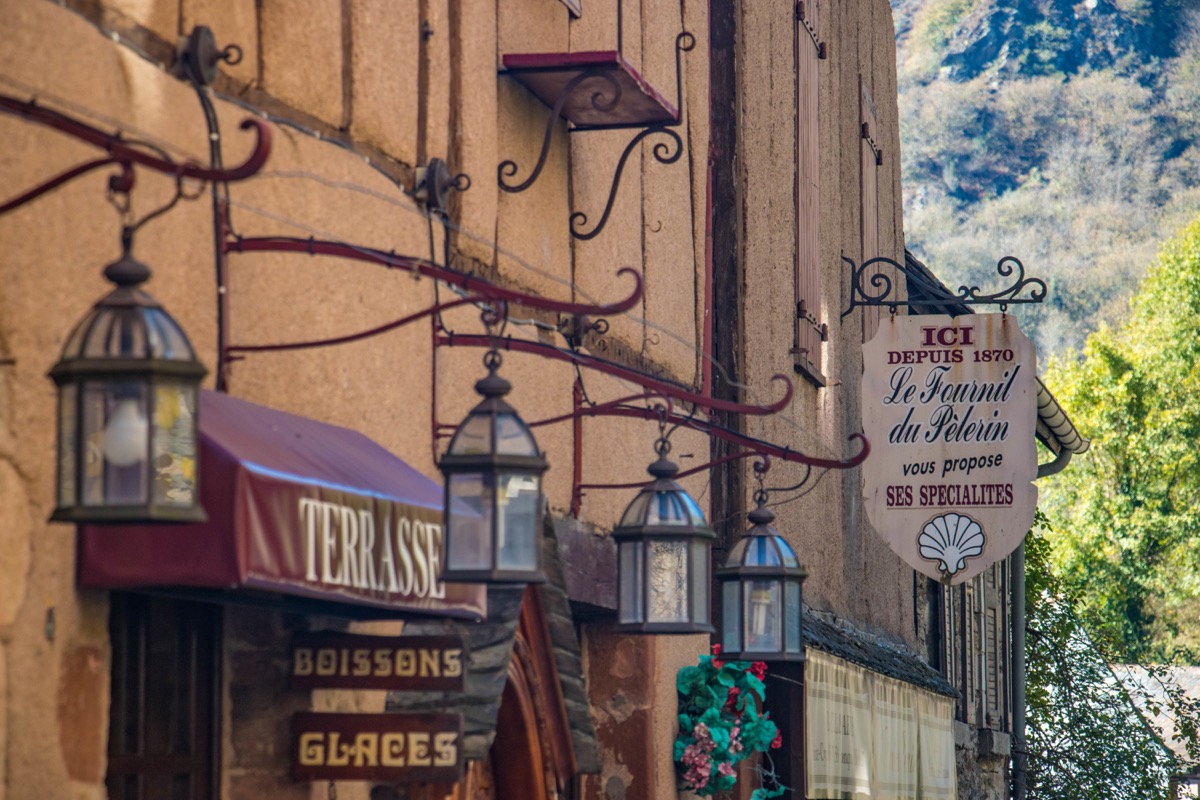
(720, 726)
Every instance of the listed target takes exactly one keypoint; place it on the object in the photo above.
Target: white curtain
(871, 736)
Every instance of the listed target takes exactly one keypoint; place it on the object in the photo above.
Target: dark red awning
(295, 507)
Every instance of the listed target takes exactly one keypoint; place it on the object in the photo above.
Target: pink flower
(731, 699)
(758, 669)
(725, 768)
(777, 742)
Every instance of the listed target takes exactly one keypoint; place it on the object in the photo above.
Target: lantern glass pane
(174, 444)
(791, 610)
(513, 437)
(91, 432)
(761, 552)
(165, 339)
(117, 431)
(667, 508)
(668, 580)
(117, 333)
(473, 437)
(789, 555)
(75, 341)
(764, 617)
(68, 444)
(693, 508)
(700, 581)
(469, 522)
(520, 499)
(635, 513)
(737, 553)
(630, 577)
(731, 616)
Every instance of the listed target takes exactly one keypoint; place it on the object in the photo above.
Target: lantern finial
(492, 385)
(126, 270)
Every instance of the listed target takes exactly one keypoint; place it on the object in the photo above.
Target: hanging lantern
(760, 595)
(664, 547)
(493, 509)
(128, 382)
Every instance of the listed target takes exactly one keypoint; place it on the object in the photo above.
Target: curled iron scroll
(508, 167)
(662, 152)
(879, 287)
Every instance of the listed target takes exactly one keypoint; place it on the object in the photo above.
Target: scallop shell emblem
(950, 540)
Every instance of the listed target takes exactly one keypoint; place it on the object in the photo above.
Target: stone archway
(532, 757)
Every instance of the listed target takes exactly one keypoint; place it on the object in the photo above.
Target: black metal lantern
(128, 383)
(664, 547)
(760, 595)
(493, 508)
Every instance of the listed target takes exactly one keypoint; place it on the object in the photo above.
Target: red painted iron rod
(54, 183)
(471, 283)
(656, 385)
(685, 473)
(576, 447)
(351, 337)
(121, 150)
(754, 445)
(594, 410)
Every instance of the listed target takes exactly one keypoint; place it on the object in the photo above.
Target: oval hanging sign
(950, 407)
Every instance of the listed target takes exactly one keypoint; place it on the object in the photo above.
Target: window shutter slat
(809, 313)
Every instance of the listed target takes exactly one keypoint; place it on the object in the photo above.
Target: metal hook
(492, 360)
(494, 316)
(761, 467)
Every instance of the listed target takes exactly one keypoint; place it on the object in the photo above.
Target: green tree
(1087, 735)
(1127, 513)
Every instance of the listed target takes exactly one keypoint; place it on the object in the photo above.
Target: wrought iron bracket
(126, 153)
(662, 153)
(883, 289)
(602, 100)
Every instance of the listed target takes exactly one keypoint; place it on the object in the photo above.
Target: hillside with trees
(1064, 133)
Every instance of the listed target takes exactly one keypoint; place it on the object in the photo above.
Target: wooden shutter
(161, 742)
(871, 158)
(810, 327)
